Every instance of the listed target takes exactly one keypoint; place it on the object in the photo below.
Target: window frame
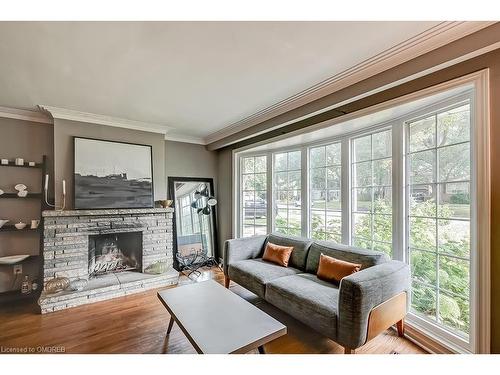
(480, 200)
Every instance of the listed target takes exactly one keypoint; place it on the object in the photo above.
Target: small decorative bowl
(20, 187)
(20, 225)
(3, 222)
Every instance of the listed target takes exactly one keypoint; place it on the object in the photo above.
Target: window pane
(294, 180)
(422, 167)
(423, 266)
(424, 300)
(422, 200)
(260, 230)
(382, 200)
(248, 165)
(294, 160)
(318, 178)
(382, 144)
(333, 177)
(362, 243)
(248, 216)
(260, 181)
(249, 182)
(319, 235)
(382, 228)
(280, 162)
(362, 226)
(362, 200)
(318, 199)
(454, 275)
(382, 172)
(318, 221)
(333, 200)
(333, 237)
(317, 157)
(362, 174)
(333, 154)
(423, 134)
(248, 230)
(281, 182)
(454, 200)
(423, 233)
(294, 219)
(454, 312)
(454, 126)
(454, 163)
(362, 148)
(248, 198)
(454, 237)
(260, 164)
(334, 222)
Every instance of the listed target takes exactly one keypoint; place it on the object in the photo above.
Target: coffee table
(217, 321)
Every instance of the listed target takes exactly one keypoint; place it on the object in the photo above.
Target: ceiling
(193, 77)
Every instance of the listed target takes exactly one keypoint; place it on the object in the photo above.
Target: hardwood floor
(138, 323)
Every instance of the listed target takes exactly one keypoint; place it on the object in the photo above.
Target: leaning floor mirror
(195, 231)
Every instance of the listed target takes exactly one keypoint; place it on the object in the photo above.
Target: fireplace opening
(115, 253)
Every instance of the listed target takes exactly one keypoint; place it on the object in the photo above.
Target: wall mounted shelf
(25, 165)
(12, 228)
(15, 196)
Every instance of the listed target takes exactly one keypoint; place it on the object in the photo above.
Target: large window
(408, 186)
(287, 193)
(372, 191)
(325, 173)
(254, 195)
(439, 164)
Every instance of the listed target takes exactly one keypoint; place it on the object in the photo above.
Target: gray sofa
(365, 303)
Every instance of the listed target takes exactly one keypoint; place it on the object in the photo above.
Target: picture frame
(112, 174)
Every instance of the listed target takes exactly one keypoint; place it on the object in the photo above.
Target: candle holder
(46, 193)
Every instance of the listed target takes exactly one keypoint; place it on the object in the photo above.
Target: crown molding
(26, 115)
(433, 38)
(185, 139)
(92, 118)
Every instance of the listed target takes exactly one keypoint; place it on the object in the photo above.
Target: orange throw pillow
(277, 254)
(331, 269)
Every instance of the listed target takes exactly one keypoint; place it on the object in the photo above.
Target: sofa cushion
(308, 299)
(253, 274)
(277, 254)
(300, 248)
(334, 270)
(366, 258)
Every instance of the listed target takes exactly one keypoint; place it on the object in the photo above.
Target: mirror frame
(171, 195)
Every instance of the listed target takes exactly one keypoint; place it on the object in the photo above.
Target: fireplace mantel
(111, 211)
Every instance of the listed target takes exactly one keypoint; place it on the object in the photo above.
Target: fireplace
(115, 252)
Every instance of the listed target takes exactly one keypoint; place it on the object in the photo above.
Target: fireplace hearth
(115, 252)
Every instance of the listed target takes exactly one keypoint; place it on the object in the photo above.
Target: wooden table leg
(170, 325)
(261, 349)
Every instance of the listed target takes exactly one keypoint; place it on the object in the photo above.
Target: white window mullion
(270, 193)
(398, 193)
(345, 191)
(304, 193)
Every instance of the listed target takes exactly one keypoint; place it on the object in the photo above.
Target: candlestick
(46, 186)
(64, 187)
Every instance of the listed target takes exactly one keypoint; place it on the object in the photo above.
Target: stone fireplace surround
(66, 251)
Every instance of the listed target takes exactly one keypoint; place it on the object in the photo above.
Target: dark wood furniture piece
(217, 321)
(16, 295)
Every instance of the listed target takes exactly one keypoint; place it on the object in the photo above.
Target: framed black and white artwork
(109, 174)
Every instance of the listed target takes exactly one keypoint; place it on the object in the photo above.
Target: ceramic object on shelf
(5, 162)
(13, 259)
(1, 192)
(19, 161)
(35, 224)
(20, 225)
(20, 187)
(57, 284)
(22, 193)
(34, 286)
(31, 163)
(3, 222)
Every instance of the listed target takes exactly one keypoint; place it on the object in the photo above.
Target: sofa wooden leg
(401, 328)
(349, 350)
(226, 282)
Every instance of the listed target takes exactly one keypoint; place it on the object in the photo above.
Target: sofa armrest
(362, 291)
(241, 249)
